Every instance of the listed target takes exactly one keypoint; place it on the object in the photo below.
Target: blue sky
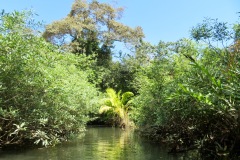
(166, 20)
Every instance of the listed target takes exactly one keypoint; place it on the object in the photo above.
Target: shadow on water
(99, 143)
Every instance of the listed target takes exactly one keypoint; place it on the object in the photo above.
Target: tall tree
(92, 28)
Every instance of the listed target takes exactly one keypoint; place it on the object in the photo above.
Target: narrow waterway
(99, 143)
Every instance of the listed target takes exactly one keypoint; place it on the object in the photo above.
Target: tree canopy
(89, 23)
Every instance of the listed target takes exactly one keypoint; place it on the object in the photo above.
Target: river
(99, 143)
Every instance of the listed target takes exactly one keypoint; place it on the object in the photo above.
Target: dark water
(99, 143)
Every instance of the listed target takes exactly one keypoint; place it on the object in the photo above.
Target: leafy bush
(45, 94)
(190, 91)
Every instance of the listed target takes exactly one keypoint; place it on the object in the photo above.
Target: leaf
(126, 97)
(104, 109)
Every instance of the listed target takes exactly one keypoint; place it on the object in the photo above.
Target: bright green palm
(118, 104)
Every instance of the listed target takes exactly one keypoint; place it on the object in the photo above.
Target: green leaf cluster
(117, 105)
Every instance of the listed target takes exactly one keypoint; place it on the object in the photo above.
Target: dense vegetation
(187, 93)
(190, 91)
(45, 94)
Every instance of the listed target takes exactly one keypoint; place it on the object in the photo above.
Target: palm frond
(126, 97)
(104, 109)
(111, 93)
(107, 102)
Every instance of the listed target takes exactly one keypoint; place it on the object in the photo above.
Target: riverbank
(191, 142)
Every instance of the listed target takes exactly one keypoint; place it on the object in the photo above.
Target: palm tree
(118, 105)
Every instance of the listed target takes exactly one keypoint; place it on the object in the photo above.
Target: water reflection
(99, 143)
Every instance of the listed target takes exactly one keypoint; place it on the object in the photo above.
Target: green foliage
(191, 91)
(117, 106)
(211, 30)
(118, 76)
(45, 94)
(157, 80)
(188, 91)
(92, 27)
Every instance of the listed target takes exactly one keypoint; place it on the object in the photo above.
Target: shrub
(45, 95)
